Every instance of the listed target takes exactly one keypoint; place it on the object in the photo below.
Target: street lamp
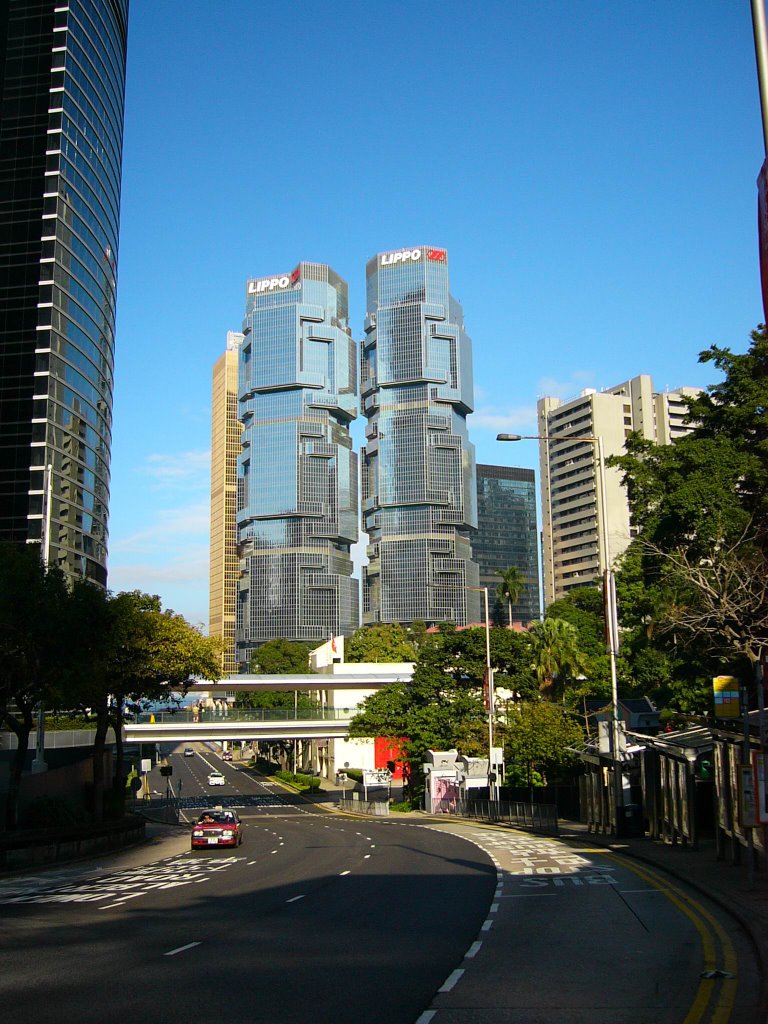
(609, 591)
(489, 683)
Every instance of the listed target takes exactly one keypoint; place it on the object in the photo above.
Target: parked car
(217, 827)
(189, 752)
(216, 779)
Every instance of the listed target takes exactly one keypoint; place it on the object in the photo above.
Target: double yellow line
(719, 954)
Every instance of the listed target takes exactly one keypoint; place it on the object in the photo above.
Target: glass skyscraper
(418, 466)
(297, 474)
(507, 537)
(62, 84)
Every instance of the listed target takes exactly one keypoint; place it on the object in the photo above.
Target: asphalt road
(333, 920)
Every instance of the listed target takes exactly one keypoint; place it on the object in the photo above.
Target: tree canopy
(386, 642)
(281, 657)
(692, 587)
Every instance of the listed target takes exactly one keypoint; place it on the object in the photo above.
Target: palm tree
(511, 586)
(556, 653)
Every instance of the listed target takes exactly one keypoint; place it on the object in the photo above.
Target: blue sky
(590, 167)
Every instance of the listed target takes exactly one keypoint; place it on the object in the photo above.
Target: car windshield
(215, 817)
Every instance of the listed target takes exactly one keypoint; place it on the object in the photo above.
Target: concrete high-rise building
(297, 474)
(225, 449)
(418, 466)
(62, 84)
(572, 512)
(507, 537)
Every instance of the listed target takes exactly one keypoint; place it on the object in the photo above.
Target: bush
(299, 781)
(54, 812)
(404, 807)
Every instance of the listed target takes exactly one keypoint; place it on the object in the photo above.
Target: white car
(216, 779)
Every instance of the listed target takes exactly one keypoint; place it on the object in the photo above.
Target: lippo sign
(275, 284)
(404, 256)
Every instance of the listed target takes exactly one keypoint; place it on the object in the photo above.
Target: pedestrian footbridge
(240, 724)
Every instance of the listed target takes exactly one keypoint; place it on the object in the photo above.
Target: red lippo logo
(436, 255)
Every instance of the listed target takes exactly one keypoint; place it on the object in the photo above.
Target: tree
(511, 587)
(556, 655)
(130, 650)
(281, 657)
(387, 642)
(432, 711)
(34, 649)
(702, 508)
(538, 736)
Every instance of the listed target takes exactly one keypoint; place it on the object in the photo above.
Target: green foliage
(303, 783)
(557, 655)
(53, 812)
(281, 657)
(433, 711)
(511, 587)
(387, 642)
(274, 699)
(402, 807)
(537, 736)
(692, 591)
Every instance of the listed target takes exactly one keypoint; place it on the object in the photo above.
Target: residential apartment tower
(572, 511)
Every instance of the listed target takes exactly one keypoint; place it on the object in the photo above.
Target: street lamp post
(609, 594)
(489, 684)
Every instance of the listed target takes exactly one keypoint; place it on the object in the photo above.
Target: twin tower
(297, 506)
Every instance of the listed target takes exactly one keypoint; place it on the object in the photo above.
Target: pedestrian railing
(537, 817)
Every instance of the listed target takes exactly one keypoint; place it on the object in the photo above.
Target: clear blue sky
(590, 166)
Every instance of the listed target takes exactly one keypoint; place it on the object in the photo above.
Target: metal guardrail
(537, 817)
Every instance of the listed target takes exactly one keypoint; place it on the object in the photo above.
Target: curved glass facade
(297, 474)
(61, 142)
(418, 465)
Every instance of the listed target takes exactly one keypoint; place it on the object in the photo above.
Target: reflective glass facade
(418, 466)
(297, 474)
(507, 537)
(62, 83)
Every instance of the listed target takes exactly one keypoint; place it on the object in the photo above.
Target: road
(335, 920)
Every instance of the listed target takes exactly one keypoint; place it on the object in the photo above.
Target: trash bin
(631, 820)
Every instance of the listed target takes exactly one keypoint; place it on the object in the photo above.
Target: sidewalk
(728, 885)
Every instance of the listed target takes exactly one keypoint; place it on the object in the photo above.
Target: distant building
(572, 512)
(225, 449)
(418, 466)
(507, 536)
(297, 511)
(62, 86)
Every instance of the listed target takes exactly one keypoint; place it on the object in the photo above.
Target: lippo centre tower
(297, 474)
(418, 466)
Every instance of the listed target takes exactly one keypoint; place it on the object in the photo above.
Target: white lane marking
(486, 926)
(250, 862)
(451, 980)
(181, 949)
(426, 1017)
(273, 851)
(294, 898)
(473, 950)
(494, 908)
(343, 873)
(111, 906)
(367, 856)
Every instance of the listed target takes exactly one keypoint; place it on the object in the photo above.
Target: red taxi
(217, 827)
